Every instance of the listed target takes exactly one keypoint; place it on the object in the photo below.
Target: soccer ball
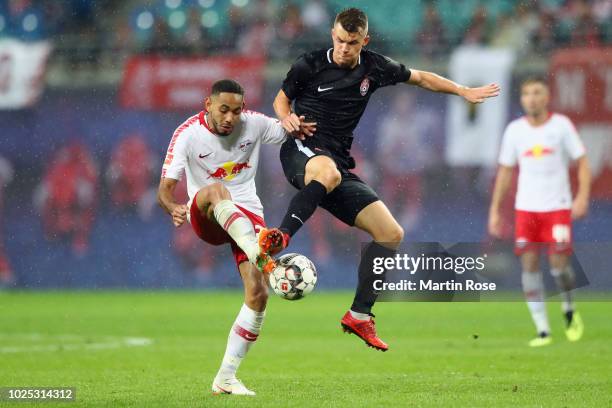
(294, 277)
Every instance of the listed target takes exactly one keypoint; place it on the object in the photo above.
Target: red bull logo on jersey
(538, 151)
(228, 170)
(365, 85)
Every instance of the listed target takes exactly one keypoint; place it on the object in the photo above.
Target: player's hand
(297, 127)
(580, 208)
(306, 128)
(179, 215)
(291, 124)
(478, 95)
(495, 224)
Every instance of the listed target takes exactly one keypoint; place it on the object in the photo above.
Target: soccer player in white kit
(543, 145)
(218, 150)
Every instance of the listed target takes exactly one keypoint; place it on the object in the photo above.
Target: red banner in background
(164, 83)
(581, 84)
(581, 87)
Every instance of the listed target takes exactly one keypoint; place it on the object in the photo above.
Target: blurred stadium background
(91, 91)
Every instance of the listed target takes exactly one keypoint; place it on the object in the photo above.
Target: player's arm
(165, 198)
(271, 130)
(437, 83)
(580, 206)
(575, 149)
(293, 86)
(282, 107)
(293, 124)
(502, 185)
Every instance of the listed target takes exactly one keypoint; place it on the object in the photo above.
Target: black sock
(302, 206)
(365, 295)
(569, 316)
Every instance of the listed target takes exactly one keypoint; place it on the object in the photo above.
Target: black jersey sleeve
(297, 78)
(390, 72)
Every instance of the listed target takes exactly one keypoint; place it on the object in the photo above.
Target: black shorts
(346, 201)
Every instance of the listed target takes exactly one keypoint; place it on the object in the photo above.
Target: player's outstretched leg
(565, 279)
(533, 290)
(321, 177)
(215, 202)
(244, 332)
(387, 234)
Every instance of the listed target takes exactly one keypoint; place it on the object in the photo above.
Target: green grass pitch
(443, 354)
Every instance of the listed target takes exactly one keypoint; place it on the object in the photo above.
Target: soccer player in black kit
(329, 90)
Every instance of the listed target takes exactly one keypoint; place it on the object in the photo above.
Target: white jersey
(207, 158)
(543, 154)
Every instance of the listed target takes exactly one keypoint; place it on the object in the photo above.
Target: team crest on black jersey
(365, 85)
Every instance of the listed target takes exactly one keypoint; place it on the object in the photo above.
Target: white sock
(239, 227)
(360, 316)
(243, 334)
(565, 279)
(533, 288)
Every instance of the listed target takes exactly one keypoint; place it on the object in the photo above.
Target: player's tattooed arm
(165, 197)
(293, 124)
(437, 83)
(580, 206)
(502, 184)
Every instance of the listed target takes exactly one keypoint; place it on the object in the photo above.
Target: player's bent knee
(334, 177)
(219, 192)
(391, 235)
(395, 234)
(324, 170)
(330, 177)
(213, 194)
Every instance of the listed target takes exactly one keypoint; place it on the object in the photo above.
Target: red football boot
(265, 263)
(364, 329)
(273, 240)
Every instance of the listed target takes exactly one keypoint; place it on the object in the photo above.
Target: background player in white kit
(543, 144)
(218, 150)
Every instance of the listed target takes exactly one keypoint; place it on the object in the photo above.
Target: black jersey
(336, 97)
